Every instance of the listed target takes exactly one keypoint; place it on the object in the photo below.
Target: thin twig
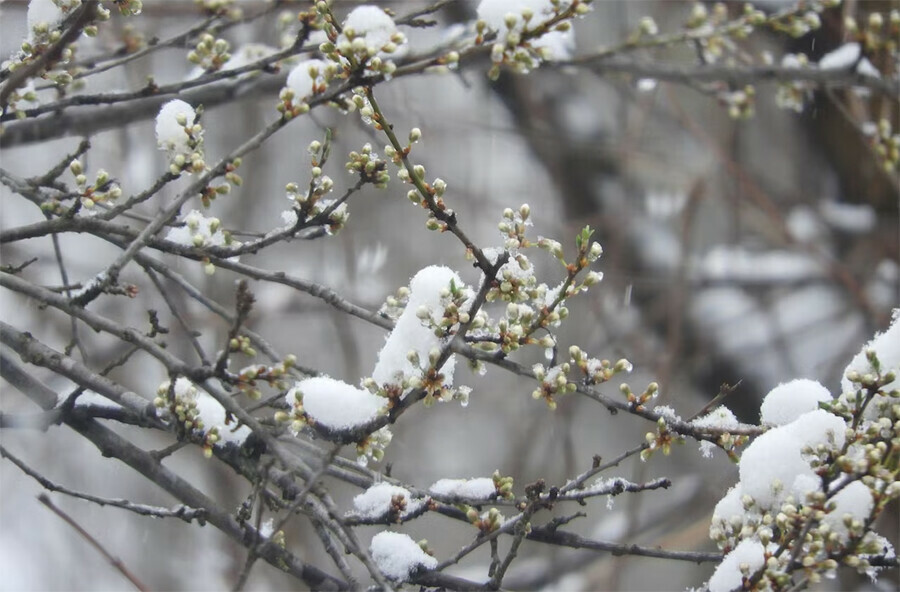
(114, 561)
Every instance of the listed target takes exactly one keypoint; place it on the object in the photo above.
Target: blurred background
(741, 252)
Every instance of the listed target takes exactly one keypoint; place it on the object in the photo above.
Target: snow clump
(398, 556)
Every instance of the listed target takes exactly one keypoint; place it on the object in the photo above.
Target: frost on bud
(593, 277)
(497, 51)
(648, 26)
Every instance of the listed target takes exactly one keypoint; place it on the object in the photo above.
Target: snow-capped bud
(423, 313)
(434, 355)
(876, 21)
(497, 53)
(698, 12)
(623, 365)
(648, 26)
(593, 278)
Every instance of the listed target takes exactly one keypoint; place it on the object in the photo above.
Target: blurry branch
(182, 512)
(836, 269)
(108, 63)
(549, 534)
(114, 561)
(738, 76)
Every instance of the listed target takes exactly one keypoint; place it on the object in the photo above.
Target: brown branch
(114, 561)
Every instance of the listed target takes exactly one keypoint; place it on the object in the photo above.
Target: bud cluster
(178, 402)
(855, 480)
(309, 206)
(504, 486)
(180, 134)
(635, 401)
(885, 143)
(523, 40)
(878, 34)
(554, 381)
(794, 95)
(741, 104)
(486, 522)
(368, 37)
(210, 53)
(597, 371)
(369, 167)
(198, 231)
(130, 7)
(662, 439)
(308, 79)
(104, 189)
(223, 8)
(247, 378)
(394, 305)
